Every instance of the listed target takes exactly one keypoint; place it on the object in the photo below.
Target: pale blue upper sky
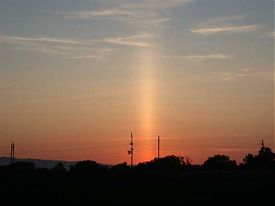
(205, 65)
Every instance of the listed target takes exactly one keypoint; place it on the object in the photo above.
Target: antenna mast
(12, 153)
(131, 150)
(158, 146)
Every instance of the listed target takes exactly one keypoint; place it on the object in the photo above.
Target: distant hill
(49, 164)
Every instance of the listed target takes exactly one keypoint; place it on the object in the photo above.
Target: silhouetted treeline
(264, 160)
(171, 180)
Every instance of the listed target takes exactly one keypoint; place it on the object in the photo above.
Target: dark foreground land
(119, 186)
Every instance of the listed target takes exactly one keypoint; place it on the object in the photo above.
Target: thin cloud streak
(43, 49)
(197, 58)
(115, 12)
(156, 22)
(227, 24)
(100, 53)
(247, 73)
(85, 57)
(133, 40)
(139, 12)
(132, 17)
(48, 45)
(22, 40)
(74, 48)
(226, 19)
(136, 40)
(269, 35)
(227, 76)
(225, 29)
(155, 4)
(125, 41)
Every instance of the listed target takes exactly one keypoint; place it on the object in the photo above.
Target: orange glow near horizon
(76, 88)
(115, 151)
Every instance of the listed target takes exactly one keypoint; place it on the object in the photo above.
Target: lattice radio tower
(131, 150)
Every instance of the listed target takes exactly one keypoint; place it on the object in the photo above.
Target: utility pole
(158, 145)
(131, 150)
(12, 153)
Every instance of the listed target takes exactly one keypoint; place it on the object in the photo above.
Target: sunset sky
(78, 76)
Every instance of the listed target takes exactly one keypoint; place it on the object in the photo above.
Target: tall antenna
(131, 150)
(158, 146)
(12, 153)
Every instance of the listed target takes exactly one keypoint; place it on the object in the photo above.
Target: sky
(78, 76)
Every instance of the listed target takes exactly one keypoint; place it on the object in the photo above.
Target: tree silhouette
(264, 160)
(161, 181)
(249, 161)
(21, 166)
(88, 168)
(120, 167)
(166, 163)
(59, 168)
(219, 162)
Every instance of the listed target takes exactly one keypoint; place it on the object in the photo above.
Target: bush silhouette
(120, 168)
(59, 168)
(166, 163)
(88, 168)
(219, 162)
(22, 166)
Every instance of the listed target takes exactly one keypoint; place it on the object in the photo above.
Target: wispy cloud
(43, 49)
(207, 57)
(155, 4)
(133, 17)
(135, 40)
(74, 48)
(226, 20)
(100, 53)
(22, 40)
(267, 74)
(126, 41)
(269, 35)
(33, 40)
(272, 34)
(134, 8)
(204, 57)
(226, 76)
(232, 24)
(55, 46)
(153, 11)
(115, 12)
(225, 29)
(157, 21)
(85, 57)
